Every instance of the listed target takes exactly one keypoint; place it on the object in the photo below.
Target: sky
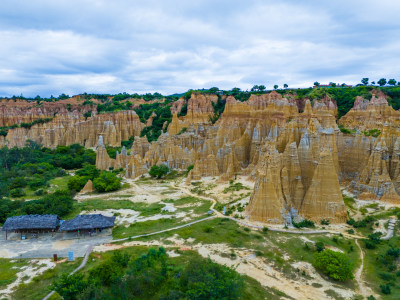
(51, 47)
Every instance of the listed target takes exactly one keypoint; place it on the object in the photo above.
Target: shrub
(17, 193)
(325, 222)
(107, 182)
(158, 171)
(190, 168)
(208, 280)
(76, 183)
(385, 289)
(334, 264)
(304, 223)
(70, 286)
(319, 246)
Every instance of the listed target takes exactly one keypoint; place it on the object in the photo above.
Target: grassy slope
(39, 286)
(9, 270)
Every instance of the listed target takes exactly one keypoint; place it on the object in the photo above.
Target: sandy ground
(139, 191)
(26, 273)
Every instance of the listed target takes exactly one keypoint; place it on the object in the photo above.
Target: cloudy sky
(50, 47)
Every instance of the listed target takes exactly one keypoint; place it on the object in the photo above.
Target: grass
(40, 285)
(144, 227)
(374, 268)
(9, 270)
(270, 245)
(349, 201)
(60, 182)
(234, 187)
(101, 204)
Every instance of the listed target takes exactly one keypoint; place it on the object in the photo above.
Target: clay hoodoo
(323, 199)
(292, 149)
(88, 188)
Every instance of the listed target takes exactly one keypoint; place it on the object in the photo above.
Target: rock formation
(88, 188)
(292, 148)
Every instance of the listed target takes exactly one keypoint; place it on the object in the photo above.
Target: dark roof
(31, 222)
(87, 222)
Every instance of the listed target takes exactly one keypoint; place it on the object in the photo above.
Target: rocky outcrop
(88, 188)
(21, 111)
(323, 199)
(292, 148)
(373, 114)
(75, 129)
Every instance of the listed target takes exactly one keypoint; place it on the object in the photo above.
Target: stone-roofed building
(31, 224)
(88, 223)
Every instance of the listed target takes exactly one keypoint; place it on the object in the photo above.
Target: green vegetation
(183, 130)
(372, 132)
(304, 223)
(9, 270)
(218, 110)
(163, 112)
(158, 171)
(335, 264)
(152, 276)
(381, 265)
(59, 203)
(142, 273)
(346, 130)
(234, 187)
(349, 201)
(4, 130)
(107, 182)
(32, 167)
(40, 285)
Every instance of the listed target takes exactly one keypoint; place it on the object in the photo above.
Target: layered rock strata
(293, 150)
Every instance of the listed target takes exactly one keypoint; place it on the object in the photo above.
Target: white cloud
(51, 47)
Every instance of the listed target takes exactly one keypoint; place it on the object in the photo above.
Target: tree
(276, 86)
(316, 84)
(332, 84)
(261, 88)
(213, 90)
(208, 280)
(107, 182)
(285, 86)
(336, 265)
(158, 171)
(364, 81)
(382, 81)
(89, 171)
(255, 88)
(372, 82)
(76, 183)
(69, 286)
(392, 82)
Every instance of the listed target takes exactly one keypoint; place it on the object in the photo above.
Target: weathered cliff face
(296, 159)
(72, 128)
(21, 111)
(373, 114)
(199, 111)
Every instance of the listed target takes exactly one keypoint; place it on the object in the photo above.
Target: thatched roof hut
(87, 222)
(31, 222)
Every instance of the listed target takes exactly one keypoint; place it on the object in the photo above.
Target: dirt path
(82, 265)
(362, 288)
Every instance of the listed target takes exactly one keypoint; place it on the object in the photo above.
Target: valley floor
(185, 218)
